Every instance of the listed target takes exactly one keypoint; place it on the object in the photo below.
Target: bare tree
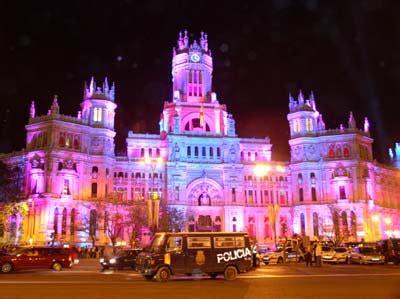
(171, 219)
(136, 221)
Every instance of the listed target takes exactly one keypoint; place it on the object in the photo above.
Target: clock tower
(192, 68)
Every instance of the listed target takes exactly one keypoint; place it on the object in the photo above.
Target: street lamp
(31, 228)
(153, 203)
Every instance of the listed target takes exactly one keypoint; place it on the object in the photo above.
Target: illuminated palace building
(332, 187)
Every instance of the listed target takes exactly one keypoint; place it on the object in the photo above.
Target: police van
(188, 253)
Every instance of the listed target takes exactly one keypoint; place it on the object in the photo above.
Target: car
(366, 255)
(198, 253)
(342, 254)
(288, 254)
(328, 255)
(54, 258)
(264, 254)
(126, 258)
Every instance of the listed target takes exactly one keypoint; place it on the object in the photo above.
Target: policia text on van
(187, 253)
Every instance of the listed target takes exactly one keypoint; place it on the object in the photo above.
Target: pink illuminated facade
(221, 182)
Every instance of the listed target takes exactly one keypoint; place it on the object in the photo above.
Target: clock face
(195, 57)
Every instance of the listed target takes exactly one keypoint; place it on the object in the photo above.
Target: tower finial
(55, 109)
(186, 39)
(352, 121)
(105, 86)
(321, 122)
(300, 98)
(312, 101)
(180, 41)
(92, 86)
(366, 125)
(391, 155)
(32, 111)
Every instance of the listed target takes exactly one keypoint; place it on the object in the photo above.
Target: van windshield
(156, 243)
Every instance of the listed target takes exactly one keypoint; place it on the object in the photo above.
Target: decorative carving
(37, 162)
(204, 194)
(232, 153)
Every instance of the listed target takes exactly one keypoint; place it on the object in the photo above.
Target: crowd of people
(313, 253)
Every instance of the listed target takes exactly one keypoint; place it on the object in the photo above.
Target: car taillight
(70, 258)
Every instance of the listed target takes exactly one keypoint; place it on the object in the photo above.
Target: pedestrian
(318, 254)
(308, 256)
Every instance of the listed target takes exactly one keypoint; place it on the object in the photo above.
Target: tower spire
(32, 110)
(366, 125)
(352, 121)
(55, 109)
(300, 98)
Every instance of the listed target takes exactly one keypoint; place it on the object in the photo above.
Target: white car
(342, 254)
(366, 255)
(289, 255)
(328, 254)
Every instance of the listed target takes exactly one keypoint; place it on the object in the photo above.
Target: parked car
(328, 254)
(366, 255)
(288, 254)
(342, 254)
(124, 259)
(264, 252)
(54, 258)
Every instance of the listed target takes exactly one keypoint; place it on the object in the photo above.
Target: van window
(198, 242)
(224, 242)
(239, 241)
(174, 244)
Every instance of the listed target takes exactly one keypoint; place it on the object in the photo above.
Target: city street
(274, 281)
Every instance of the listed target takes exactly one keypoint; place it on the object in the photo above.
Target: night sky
(347, 52)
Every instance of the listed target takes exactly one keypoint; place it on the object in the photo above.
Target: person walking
(308, 256)
(318, 254)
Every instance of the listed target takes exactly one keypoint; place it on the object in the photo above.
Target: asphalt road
(286, 281)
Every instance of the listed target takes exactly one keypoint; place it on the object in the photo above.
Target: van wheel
(213, 275)
(6, 268)
(56, 266)
(163, 274)
(230, 273)
(280, 260)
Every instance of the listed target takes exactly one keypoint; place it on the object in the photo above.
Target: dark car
(124, 259)
(37, 258)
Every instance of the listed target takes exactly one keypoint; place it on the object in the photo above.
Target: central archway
(204, 192)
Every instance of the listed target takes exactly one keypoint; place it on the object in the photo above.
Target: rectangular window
(224, 242)
(233, 195)
(198, 242)
(342, 192)
(266, 197)
(177, 193)
(239, 241)
(301, 194)
(313, 194)
(97, 114)
(94, 189)
(251, 201)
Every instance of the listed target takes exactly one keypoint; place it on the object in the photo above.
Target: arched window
(189, 151)
(339, 152)
(331, 152)
(309, 124)
(300, 178)
(241, 156)
(203, 151)
(137, 175)
(256, 156)
(150, 152)
(211, 152)
(207, 128)
(55, 223)
(187, 127)
(302, 225)
(72, 223)
(345, 225)
(94, 190)
(301, 194)
(346, 152)
(316, 224)
(93, 223)
(312, 177)
(158, 152)
(218, 152)
(142, 152)
(342, 192)
(76, 142)
(353, 220)
(61, 140)
(196, 151)
(64, 223)
(95, 169)
(313, 194)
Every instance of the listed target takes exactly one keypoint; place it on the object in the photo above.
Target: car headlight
(113, 261)
(101, 260)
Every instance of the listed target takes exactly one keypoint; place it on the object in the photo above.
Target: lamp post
(260, 171)
(153, 201)
(31, 223)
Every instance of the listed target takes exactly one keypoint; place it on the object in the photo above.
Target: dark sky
(347, 52)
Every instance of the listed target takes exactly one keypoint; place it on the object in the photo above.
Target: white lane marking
(193, 278)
